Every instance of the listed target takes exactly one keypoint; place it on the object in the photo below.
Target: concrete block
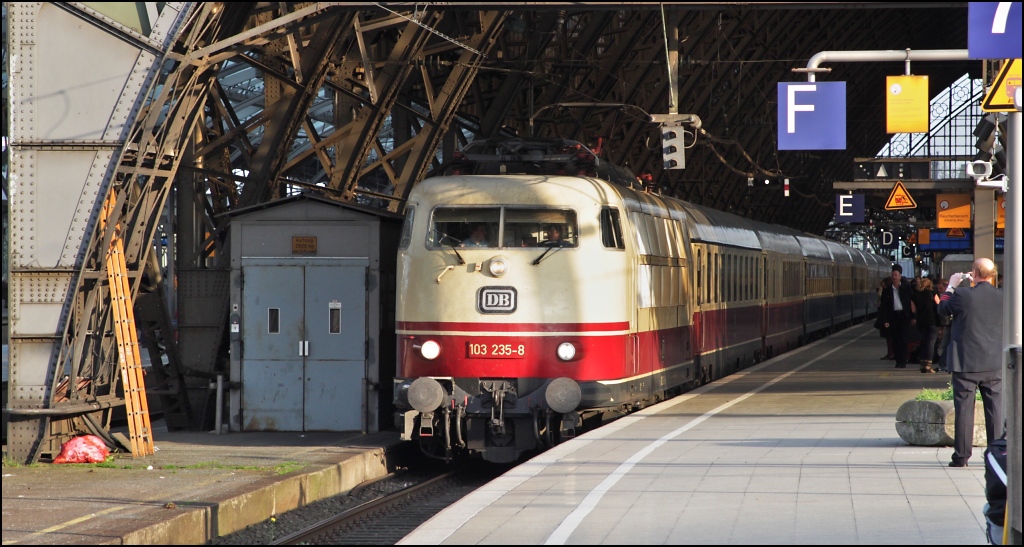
(930, 423)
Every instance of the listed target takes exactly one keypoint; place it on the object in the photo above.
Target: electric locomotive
(539, 287)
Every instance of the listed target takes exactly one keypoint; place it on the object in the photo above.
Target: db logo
(496, 300)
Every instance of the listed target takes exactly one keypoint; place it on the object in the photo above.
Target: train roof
(714, 226)
(840, 252)
(780, 243)
(813, 247)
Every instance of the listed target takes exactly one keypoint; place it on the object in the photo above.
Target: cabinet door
(272, 334)
(335, 366)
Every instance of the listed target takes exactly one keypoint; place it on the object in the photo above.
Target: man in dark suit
(975, 355)
(895, 313)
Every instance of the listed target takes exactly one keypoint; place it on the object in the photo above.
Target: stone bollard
(930, 423)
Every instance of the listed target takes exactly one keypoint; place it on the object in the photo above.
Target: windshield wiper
(445, 237)
(545, 253)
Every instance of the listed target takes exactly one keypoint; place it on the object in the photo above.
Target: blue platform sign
(994, 30)
(849, 208)
(888, 240)
(812, 115)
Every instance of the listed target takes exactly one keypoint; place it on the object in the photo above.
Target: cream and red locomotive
(537, 289)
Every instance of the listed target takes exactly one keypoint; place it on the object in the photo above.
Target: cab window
(611, 229)
(410, 213)
(540, 227)
(464, 227)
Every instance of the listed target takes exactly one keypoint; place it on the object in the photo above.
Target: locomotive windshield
(512, 226)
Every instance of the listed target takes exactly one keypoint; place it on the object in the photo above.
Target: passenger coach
(509, 342)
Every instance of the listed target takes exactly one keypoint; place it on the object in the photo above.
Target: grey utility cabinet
(312, 316)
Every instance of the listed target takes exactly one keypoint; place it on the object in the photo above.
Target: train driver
(555, 237)
(477, 238)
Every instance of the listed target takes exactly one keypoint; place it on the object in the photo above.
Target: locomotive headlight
(430, 350)
(566, 351)
(497, 266)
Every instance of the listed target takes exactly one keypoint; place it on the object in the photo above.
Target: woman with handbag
(922, 304)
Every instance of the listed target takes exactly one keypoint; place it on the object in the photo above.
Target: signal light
(991, 144)
(672, 152)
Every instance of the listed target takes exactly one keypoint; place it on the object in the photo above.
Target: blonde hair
(924, 284)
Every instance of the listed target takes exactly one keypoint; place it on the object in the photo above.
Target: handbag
(880, 325)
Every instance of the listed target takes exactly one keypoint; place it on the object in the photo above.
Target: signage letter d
(886, 239)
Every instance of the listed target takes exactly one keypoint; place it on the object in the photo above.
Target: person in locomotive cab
(477, 238)
(895, 312)
(554, 233)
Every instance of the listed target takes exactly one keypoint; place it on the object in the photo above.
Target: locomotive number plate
(495, 351)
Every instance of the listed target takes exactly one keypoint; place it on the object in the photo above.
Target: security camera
(979, 170)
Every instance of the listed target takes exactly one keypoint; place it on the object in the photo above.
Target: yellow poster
(953, 210)
(1001, 213)
(924, 236)
(906, 104)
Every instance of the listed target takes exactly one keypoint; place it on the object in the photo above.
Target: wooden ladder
(139, 429)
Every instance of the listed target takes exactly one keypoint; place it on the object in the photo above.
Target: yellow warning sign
(955, 232)
(900, 198)
(1000, 97)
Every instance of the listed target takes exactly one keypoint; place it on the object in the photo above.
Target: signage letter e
(845, 203)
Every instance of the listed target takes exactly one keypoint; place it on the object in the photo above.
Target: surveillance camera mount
(998, 182)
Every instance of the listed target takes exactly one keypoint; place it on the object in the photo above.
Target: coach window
(747, 278)
(534, 227)
(718, 277)
(729, 272)
(700, 284)
(455, 226)
(611, 229)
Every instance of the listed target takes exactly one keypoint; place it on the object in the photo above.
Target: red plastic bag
(84, 449)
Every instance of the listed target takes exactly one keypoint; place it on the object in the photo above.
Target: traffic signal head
(672, 152)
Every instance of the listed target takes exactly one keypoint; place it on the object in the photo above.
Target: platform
(196, 487)
(800, 449)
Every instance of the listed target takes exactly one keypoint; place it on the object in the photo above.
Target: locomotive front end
(500, 319)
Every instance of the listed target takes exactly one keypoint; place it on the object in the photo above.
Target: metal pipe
(1012, 319)
(906, 55)
(64, 410)
(220, 405)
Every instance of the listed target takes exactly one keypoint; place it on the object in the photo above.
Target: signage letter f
(792, 108)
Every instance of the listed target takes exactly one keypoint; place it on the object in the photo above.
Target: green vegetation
(942, 394)
(280, 469)
(112, 462)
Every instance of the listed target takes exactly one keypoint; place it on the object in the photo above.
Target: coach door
(303, 347)
(764, 303)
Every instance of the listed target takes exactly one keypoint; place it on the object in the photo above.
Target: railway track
(386, 520)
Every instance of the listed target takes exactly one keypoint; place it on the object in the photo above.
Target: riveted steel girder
(72, 122)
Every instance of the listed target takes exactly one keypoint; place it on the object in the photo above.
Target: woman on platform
(922, 304)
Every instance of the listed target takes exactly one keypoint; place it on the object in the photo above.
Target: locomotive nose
(563, 395)
(425, 394)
